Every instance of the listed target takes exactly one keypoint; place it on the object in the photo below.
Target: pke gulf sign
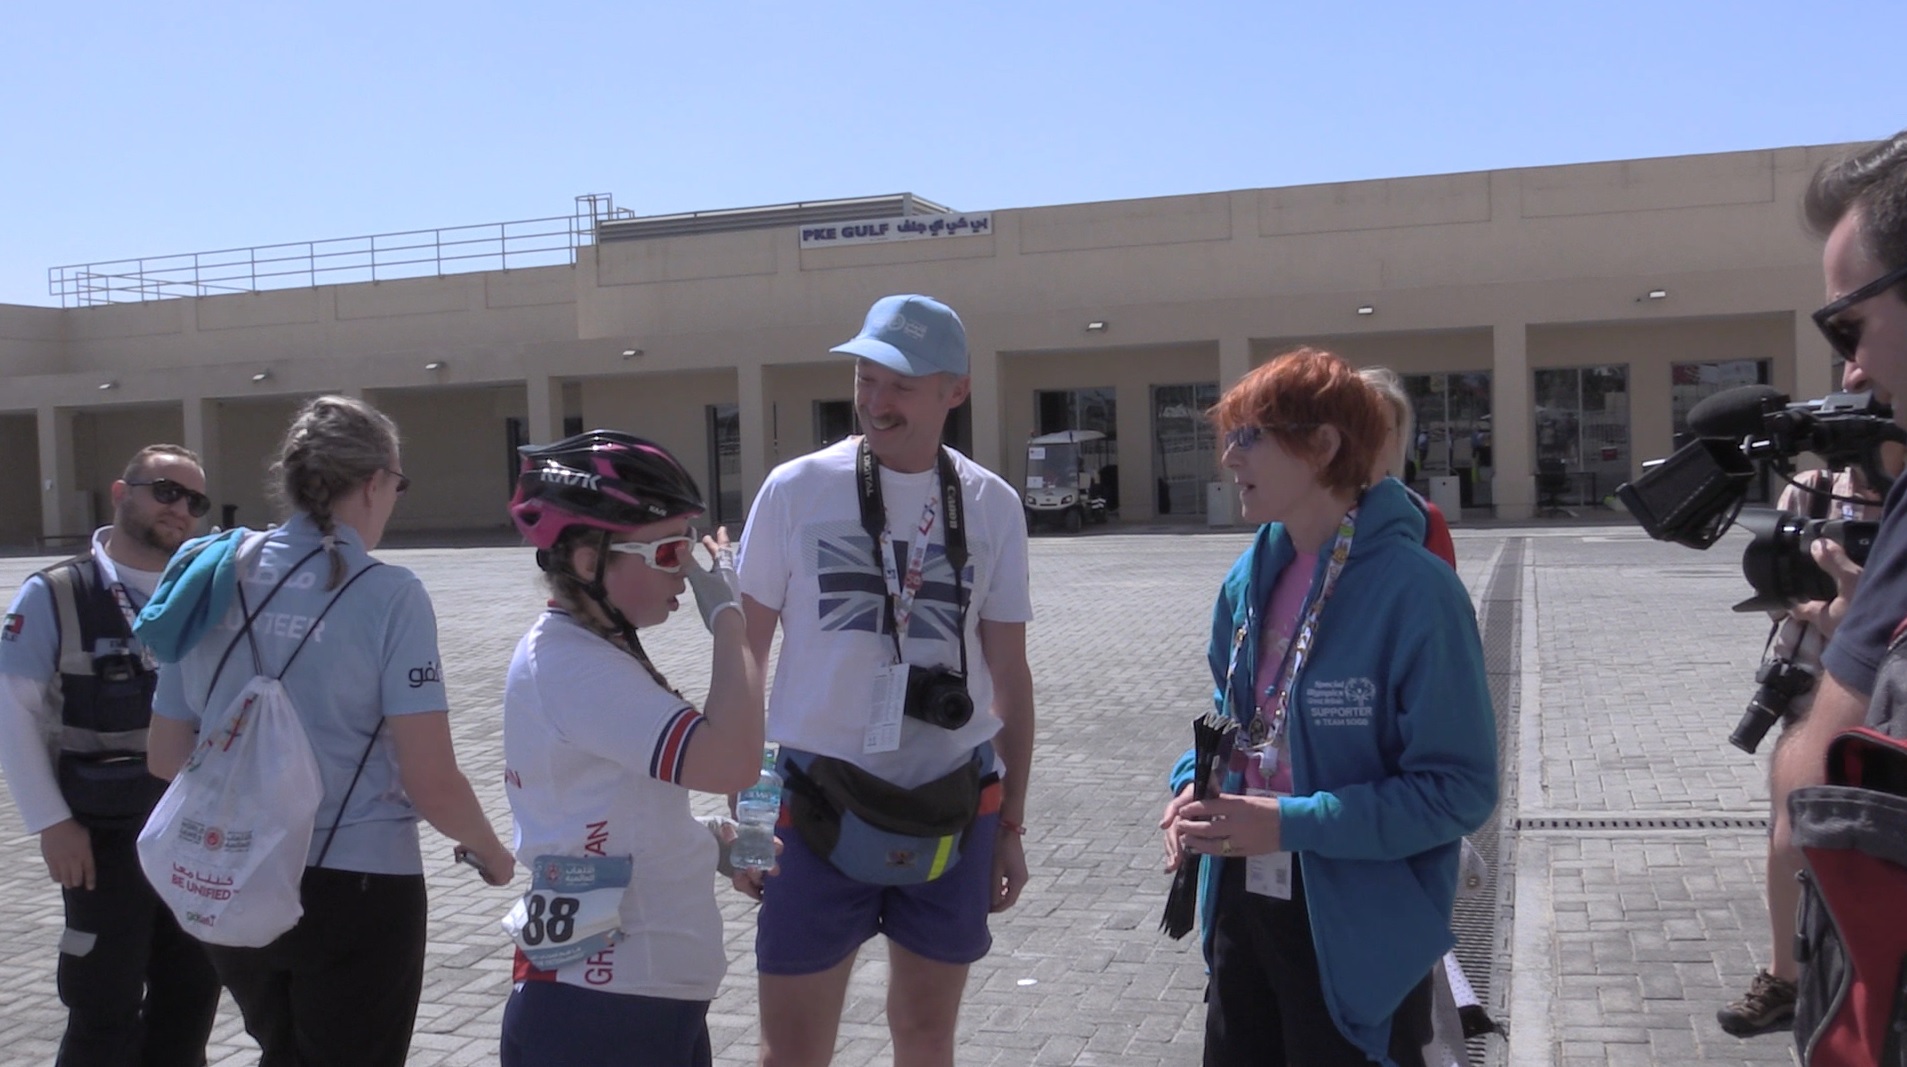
(903, 228)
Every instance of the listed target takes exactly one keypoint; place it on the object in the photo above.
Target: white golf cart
(1063, 484)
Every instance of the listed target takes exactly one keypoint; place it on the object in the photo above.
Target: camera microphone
(1736, 413)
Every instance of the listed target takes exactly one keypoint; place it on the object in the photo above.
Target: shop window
(725, 462)
(515, 435)
(1453, 434)
(1582, 421)
(1183, 461)
(1076, 409)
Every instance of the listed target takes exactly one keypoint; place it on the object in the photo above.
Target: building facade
(1562, 318)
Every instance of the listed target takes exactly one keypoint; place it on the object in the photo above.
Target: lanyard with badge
(897, 605)
(1270, 874)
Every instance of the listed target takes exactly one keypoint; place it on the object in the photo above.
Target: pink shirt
(1279, 628)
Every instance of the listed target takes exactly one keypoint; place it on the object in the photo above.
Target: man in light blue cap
(889, 557)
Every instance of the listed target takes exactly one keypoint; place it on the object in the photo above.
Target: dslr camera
(1778, 682)
(938, 696)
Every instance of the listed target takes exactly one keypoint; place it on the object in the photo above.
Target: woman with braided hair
(619, 939)
(342, 986)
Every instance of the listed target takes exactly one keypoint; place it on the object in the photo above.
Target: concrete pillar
(202, 436)
(545, 398)
(984, 369)
(58, 473)
(1813, 360)
(1234, 361)
(752, 410)
(1512, 423)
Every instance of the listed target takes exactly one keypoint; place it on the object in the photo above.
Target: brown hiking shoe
(1766, 1007)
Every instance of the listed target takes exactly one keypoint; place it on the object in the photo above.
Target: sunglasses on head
(168, 492)
(1845, 337)
(1246, 436)
(664, 555)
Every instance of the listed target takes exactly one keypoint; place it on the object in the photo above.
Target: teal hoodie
(1393, 753)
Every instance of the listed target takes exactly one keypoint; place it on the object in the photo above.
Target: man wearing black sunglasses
(75, 698)
(1859, 204)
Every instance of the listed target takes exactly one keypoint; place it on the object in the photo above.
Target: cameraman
(1860, 204)
(1799, 636)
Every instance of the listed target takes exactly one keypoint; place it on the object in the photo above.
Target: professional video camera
(1692, 497)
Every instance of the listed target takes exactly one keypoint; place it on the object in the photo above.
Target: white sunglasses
(665, 555)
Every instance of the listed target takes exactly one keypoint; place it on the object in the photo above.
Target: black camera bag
(877, 832)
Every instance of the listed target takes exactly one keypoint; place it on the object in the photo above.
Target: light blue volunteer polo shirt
(374, 656)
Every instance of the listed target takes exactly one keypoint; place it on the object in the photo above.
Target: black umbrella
(1211, 738)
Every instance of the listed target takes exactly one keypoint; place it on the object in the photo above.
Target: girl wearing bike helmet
(619, 939)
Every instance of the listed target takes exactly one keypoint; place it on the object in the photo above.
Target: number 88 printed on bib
(572, 910)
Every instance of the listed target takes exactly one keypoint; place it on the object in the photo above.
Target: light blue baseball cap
(912, 334)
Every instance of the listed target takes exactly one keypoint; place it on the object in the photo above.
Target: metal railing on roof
(380, 257)
(545, 242)
(802, 213)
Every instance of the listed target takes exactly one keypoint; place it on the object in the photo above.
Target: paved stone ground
(1632, 672)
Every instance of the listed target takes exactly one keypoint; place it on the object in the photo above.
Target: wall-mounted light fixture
(262, 376)
(1658, 294)
(631, 353)
(1096, 326)
(103, 386)
(1366, 309)
(435, 364)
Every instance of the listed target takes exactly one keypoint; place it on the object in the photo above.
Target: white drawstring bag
(226, 846)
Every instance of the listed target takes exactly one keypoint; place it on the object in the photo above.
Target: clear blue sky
(131, 129)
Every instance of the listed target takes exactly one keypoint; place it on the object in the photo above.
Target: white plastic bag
(226, 846)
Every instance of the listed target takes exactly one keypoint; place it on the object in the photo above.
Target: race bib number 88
(572, 910)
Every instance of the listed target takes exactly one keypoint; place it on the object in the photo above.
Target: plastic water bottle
(756, 810)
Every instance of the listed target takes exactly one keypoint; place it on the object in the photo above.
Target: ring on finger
(1224, 846)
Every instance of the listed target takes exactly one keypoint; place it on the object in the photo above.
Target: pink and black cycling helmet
(604, 480)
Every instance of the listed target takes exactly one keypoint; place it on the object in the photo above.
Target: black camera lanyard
(867, 480)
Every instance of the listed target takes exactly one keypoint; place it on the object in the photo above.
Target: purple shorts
(813, 916)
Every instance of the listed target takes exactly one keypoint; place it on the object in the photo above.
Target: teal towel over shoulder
(193, 595)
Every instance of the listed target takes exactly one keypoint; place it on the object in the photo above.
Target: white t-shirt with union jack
(805, 554)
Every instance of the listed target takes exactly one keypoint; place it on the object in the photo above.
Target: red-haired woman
(1349, 659)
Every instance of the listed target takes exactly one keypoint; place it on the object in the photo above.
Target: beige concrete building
(1567, 316)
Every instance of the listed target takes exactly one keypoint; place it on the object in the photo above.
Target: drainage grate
(1638, 822)
(1478, 922)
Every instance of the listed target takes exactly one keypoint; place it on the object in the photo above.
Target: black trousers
(137, 989)
(340, 989)
(1265, 1004)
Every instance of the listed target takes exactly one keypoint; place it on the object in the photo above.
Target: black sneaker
(1768, 1006)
